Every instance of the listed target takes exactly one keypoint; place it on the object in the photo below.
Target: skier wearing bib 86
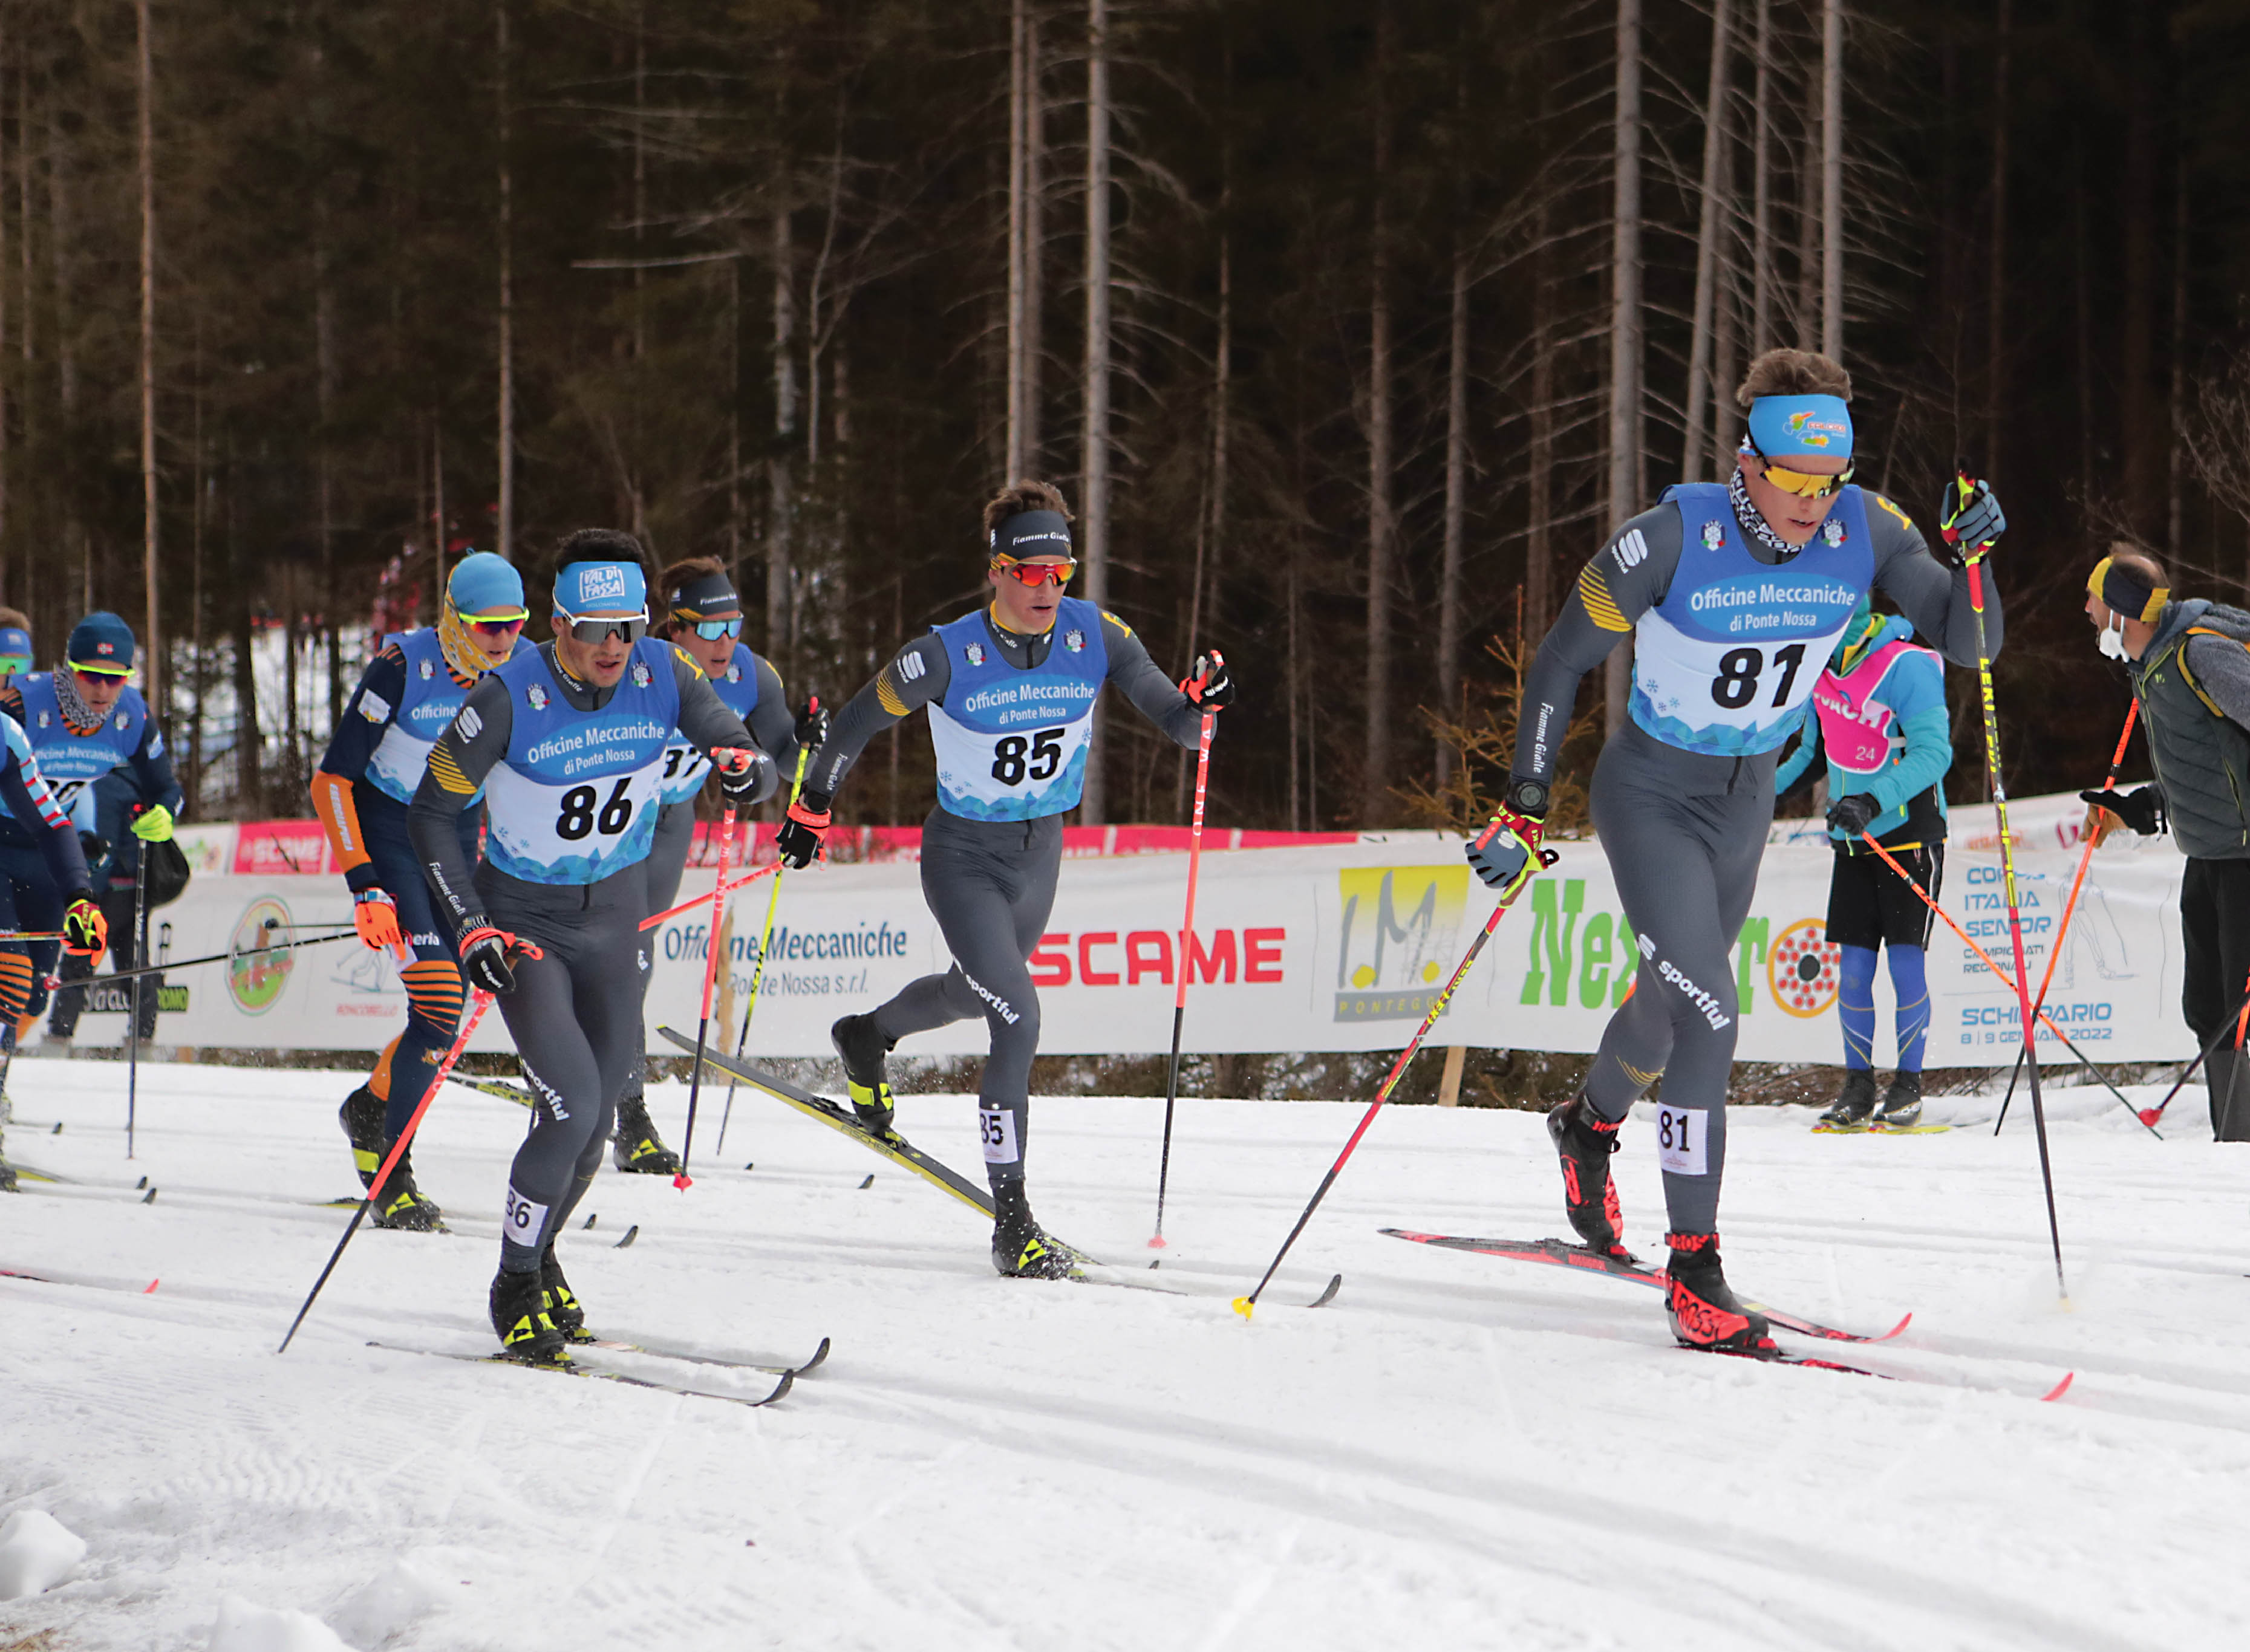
(1011, 690)
(1735, 594)
(567, 744)
(1878, 715)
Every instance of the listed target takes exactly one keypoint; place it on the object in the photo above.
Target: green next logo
(1596, 952)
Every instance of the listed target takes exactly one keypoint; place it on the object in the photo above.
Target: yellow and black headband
(2126, 593)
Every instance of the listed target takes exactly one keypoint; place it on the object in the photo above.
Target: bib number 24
(579, 819)
(1736, 684)
(1015, 758)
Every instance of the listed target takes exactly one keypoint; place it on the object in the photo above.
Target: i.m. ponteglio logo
(255, 978)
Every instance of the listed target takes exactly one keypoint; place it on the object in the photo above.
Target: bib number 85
(1014, 757)
(1736, 684)
(579, 819)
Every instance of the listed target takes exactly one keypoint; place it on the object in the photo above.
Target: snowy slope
(1460, 1452)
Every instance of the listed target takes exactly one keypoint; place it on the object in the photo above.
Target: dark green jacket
(2201, 756)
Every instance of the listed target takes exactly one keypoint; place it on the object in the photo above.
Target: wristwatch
(1526, 796)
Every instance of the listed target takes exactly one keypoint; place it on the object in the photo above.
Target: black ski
(772, 1368)
(598, 1373)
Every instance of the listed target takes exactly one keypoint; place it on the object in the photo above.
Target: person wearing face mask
(2190, 666)
(1735, 593)
(1878, 717)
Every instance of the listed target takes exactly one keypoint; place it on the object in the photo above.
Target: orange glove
(375, 916)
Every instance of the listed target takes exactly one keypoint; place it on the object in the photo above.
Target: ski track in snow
(1460, 1452)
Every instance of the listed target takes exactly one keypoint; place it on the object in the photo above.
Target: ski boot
(862, 1047)
(520, 1319)
(563, 1308)
(403, 1207)
(1021, 1248)
(1584, 1140)
(637, 1147)
(1852, 1104)
(1901, 1108)
(1704, 1312)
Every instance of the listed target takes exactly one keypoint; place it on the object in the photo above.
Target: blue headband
(486, 586)
(15, 642)
(1801, 426)
(585, 587)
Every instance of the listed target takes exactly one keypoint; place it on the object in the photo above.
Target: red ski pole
(683, 1181)
(1187, 942)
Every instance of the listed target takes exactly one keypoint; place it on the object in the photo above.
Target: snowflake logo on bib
(429, 669)
(974, 653)
(641, 679)
(122, 720)
(1074, 640)
(1833, 531)
(537, 696)
(45, 720)
(1715, 537)
(734, 673)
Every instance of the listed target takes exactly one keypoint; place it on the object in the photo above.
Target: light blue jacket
(1915, 690)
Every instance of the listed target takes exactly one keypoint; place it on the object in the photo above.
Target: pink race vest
(1855, 726)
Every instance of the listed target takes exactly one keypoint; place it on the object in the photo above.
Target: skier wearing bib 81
(1736, 595)
(1011, 690)
(567, 743)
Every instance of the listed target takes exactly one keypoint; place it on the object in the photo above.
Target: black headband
(1033, 533)
(2126, 593)
(699, 596)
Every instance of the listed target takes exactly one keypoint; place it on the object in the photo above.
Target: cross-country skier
(84, 722)
(704, 618)
(567, 743)
(1879, 717)
(1735, 594)
(14, 645)
(2190, 664)
(366, 778)
(1010, 689)
(43, 885)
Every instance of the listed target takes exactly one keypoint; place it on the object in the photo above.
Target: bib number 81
(1736, 684)
(1014, 757)
(578, 819)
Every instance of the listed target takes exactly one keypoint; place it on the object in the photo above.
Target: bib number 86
(1736, 684)
(1014, 757)
(579, 819)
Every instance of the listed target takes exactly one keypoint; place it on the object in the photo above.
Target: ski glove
(1209, 685)
(1970, 517)
(746, 775)
(811, 729)
(375, 916)
(153, 825)
(484, 957)
(1507, 854)
(85, 932)
(1851, 815)
(2143, 810)
(804, 837)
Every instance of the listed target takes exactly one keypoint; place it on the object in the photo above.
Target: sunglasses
(1035, 573)
(99, 673)
(497, 627)
(712, 631)
(1803, 486)
(633, 627)
(14, 665)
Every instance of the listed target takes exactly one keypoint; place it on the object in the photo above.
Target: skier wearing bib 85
(1736, 594)
(567, 744)
(1009, 690)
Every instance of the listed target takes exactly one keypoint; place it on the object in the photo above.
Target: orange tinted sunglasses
(1035, 573)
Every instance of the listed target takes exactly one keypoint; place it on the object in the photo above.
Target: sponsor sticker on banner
(254, 981)
(1399, 932)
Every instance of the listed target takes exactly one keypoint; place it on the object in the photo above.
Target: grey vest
(2201, 756)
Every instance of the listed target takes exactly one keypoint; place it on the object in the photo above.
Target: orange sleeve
(332, 801)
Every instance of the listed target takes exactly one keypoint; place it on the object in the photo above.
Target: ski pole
(2085, 859)
(133, 997)
(1974, 556)
(2149, 1115)
(1242, 1305)
(228, 957)
(758, 969)
(726, 884)
(683, 1181)
(2006, 979)
(1187, 940)
(484, 1000)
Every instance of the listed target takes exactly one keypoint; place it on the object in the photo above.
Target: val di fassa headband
(586, 588)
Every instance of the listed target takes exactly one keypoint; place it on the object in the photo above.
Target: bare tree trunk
(507, 233)
(1726, 345)
(1018, 110)
(4, 320)
(29, 402)
(1538, 536)
(1375, 768)
(2081, 237)
(734, 422)
(201, 666)
(1457, 481)
(1808, 219)
(1709, 227)
(2142, 418)
(2175, 492)
(1624, 428)
(1996, 303)
(1764, 331)
(1095, 504)
(1831, 180)
(439, 538)
(637, 494)
(61, 253)
(153, 674)
(781, 501)
(1035, 236)
(324, 388)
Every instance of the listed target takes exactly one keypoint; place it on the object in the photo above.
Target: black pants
(2215, 930)
(124, 951)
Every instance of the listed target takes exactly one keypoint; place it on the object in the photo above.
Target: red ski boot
(1704, 1312)
(1584, 1140)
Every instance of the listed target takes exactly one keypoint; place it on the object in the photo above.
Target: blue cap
(15, 646)
(483, 586)
(101, 642)
(603, 587)
(1801, 427)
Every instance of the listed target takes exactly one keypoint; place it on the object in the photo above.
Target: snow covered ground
(1460, 1452)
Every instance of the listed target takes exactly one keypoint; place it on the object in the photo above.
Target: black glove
(1852, 814)
(484, 958)
(812, 724)
(803, 832)
(2143, 810)
(1970, 517)
(751, 778)
(1209, 685)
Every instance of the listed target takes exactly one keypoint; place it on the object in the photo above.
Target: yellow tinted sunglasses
(1797, 482)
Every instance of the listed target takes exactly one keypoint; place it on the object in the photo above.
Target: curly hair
(1015, 499)
(1792, 372)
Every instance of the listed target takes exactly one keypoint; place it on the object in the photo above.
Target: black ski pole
(132, 996)
(1180, 992)
(2149, 1115)
(227, 958)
